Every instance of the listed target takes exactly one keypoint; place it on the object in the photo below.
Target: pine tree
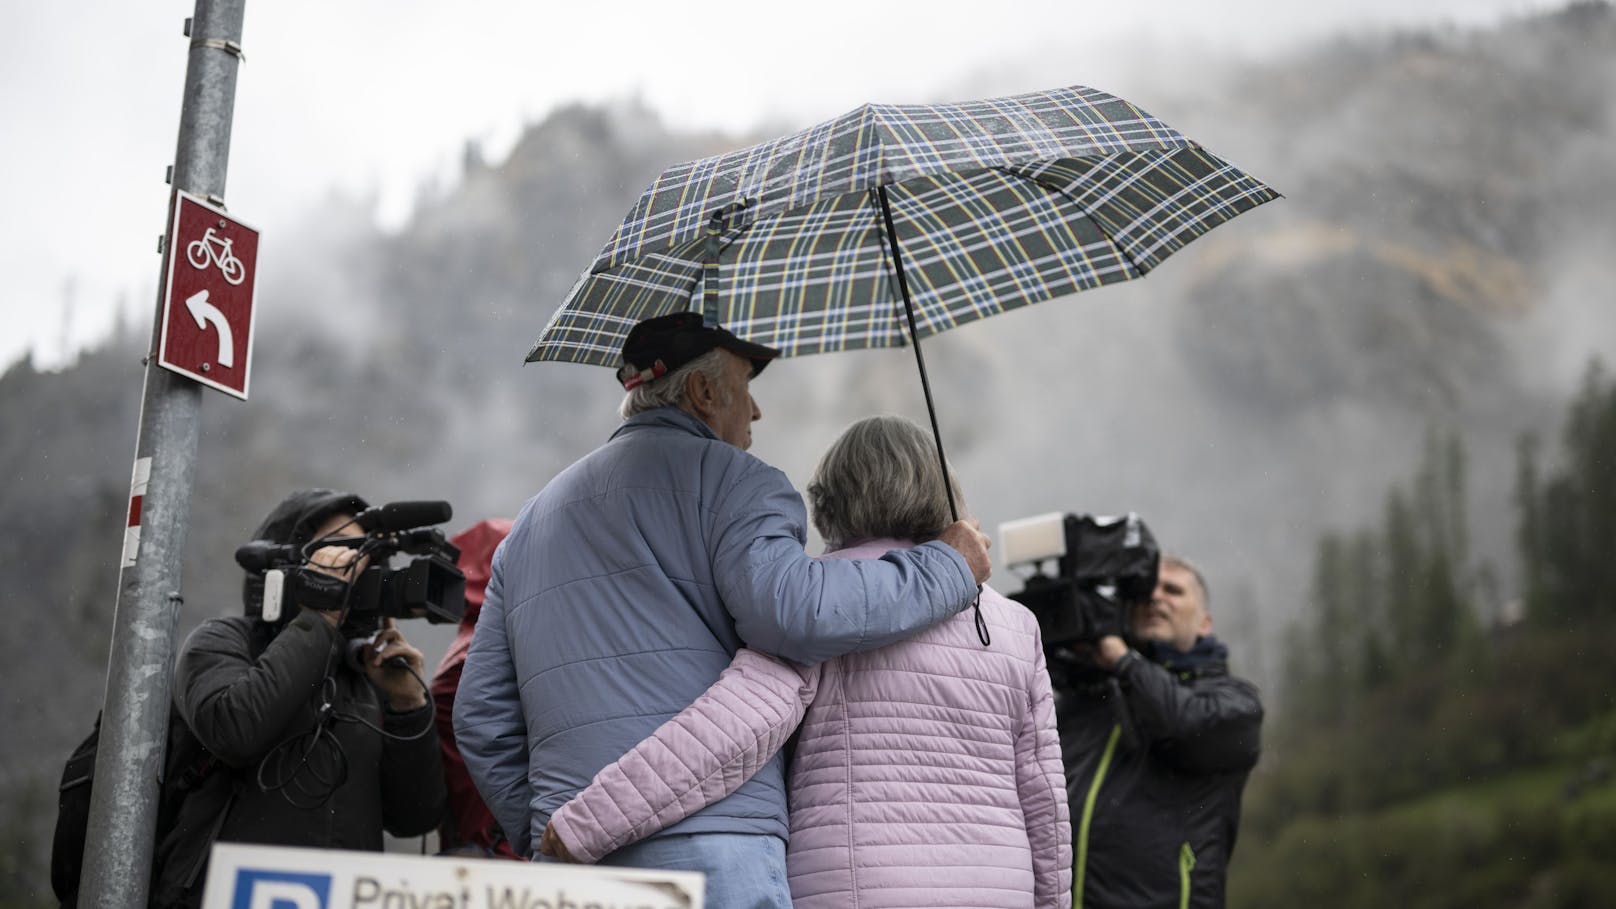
(1568, 520)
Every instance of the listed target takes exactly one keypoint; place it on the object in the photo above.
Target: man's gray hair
(1178, 561)
(881, 478)
(670, 390)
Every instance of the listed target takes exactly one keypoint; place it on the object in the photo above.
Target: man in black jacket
(1157, 744)
(323, 743)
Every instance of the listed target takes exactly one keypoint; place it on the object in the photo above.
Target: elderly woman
(927, 772)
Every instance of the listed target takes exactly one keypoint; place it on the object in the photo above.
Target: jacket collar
(1209, 656)
(666, 418)
(869, 549)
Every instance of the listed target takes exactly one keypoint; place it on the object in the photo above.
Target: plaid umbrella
(811, 242)
(958, 211)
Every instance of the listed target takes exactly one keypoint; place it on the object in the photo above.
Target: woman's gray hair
(669, 390)
(881, 478)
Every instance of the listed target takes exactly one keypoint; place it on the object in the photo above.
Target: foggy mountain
(1442, 258)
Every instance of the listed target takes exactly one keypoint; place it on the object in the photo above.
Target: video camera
(1103, 565)
(429, 586)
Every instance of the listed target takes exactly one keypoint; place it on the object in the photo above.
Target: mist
(1440, 261)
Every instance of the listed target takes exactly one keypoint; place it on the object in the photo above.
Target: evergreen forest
(1433, 747)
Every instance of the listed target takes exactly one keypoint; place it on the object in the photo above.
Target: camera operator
(318, 716)
(1157, 742)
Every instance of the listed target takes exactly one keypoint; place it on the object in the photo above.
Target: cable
(301, 748)
(425, 689)
(305, 748)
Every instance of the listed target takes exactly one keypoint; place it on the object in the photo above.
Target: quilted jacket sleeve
(701, 755)
(240, 706)
(1041, 784)
(488, 720)
(809, 610)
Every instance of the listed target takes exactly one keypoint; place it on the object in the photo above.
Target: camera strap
(318, 590)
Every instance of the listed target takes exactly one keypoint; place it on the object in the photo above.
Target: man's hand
(969, 541)
(1110, 651)
(550, 844)
(400, 684)
(339, 562)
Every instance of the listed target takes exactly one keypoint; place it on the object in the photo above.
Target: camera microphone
(395, 516)
(261, 555)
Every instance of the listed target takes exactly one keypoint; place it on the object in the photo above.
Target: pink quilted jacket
(928, 773)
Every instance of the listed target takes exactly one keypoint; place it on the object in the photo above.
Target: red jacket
(469, 822)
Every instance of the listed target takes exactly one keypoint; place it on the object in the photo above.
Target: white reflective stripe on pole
(134, 722)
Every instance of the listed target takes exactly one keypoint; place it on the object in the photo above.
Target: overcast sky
(375, 97)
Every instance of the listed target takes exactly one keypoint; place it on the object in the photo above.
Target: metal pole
(134, 720)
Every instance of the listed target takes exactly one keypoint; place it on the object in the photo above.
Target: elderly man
(628, 583)
(1157, 748)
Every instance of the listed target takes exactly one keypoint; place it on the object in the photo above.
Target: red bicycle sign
(209, 296)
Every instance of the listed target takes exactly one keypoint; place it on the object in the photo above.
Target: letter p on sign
(280, 890)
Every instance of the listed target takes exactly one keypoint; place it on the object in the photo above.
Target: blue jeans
(744, 870)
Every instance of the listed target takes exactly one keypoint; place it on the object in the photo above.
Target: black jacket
(1156, 758)
(249, 692)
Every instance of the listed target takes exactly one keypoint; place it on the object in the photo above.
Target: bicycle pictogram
(213, 248)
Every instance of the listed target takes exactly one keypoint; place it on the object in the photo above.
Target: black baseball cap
(659, 345)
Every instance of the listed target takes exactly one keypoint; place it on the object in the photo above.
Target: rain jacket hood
(477, 544)
(293, 522)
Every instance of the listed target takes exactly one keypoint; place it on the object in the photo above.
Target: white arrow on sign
(204, 312)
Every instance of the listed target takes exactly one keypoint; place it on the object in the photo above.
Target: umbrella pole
(925, 385)
(914, 341)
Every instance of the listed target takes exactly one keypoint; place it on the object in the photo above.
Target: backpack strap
(73, 818)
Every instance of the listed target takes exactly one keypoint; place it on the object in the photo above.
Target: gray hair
(881, 478)
(1178, 561)
(669, 390)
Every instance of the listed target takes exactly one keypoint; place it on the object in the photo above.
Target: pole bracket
(229, 47)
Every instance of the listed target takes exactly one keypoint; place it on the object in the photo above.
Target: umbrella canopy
(992, 205)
